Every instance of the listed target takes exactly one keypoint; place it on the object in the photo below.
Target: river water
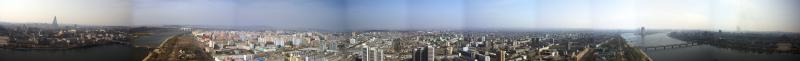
(109, 52)
(699, 52)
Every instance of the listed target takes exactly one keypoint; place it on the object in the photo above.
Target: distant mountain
(376, 31)
(4, 23)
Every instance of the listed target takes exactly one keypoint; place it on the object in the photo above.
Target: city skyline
(399, 30)
(749, 15)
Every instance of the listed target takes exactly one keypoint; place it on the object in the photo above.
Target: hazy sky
(749, 15)
(92, 12)
(183, 12)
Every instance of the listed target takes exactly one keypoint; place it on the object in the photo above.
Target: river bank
(701, 52)
(52, 47)
(107, 52)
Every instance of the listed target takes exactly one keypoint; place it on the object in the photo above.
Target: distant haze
(91, 12)
(359, 15)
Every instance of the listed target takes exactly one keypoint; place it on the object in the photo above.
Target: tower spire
(55, 21)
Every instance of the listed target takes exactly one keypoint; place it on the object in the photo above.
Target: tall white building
(372, 54)
(55, 22)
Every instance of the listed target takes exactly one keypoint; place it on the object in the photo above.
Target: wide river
(109, 52)
(699, 52)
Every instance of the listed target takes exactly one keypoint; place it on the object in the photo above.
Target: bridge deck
(670, 46)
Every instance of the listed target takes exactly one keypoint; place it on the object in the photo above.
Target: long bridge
(671, 46)
(121, 42)
(662, 37)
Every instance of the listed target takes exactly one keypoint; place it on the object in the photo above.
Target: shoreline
(738, 47)
(62, 48)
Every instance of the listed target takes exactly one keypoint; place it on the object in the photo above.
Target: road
(180, 48)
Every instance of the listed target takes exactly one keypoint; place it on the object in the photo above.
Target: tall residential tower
(55, 22)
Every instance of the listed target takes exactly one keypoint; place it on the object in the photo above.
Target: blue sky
(750, 15)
